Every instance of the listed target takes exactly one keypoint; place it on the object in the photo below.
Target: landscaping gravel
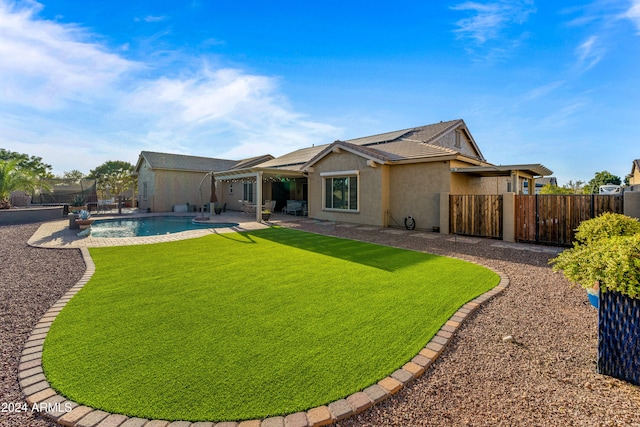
(31, 281)
(546, 375)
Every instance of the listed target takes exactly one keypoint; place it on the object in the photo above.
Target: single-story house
(166, 180)
(375, 180)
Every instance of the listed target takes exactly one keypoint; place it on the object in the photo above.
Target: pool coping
(58, 235)
(40, 396)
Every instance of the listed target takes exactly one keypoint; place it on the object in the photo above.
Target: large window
(341, 192)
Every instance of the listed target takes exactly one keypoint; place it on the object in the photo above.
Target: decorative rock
(508, 338)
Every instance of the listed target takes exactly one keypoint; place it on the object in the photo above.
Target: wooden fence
(552, 219)
(475, 215)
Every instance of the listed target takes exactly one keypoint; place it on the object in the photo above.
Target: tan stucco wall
(167, 188)
(372, 182)
(388, 194)
(415, 190)
(635, 178)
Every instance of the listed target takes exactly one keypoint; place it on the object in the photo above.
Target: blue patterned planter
(619, 337)
(592, 294)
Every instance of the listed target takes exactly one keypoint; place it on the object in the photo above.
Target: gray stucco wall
(30, 215)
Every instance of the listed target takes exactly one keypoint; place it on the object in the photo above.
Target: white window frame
(247, 191)
(340, 174)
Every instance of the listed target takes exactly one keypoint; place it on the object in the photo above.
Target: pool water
(149, 226)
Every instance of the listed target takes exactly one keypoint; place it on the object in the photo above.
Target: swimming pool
(150, 226)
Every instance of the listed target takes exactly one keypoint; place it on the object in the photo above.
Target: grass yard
(248, 325)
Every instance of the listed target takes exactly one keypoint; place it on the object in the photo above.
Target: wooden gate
(552, 219)
(475, 215)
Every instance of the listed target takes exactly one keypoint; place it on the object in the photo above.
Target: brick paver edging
(39, 394)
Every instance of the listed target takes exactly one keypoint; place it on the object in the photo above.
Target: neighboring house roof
(635, 166)
(184, 163)
(541, 182)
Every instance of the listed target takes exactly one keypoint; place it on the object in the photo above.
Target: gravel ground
(31, 280)
(546, 378)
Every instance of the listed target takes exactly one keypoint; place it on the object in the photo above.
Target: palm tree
(12, 178)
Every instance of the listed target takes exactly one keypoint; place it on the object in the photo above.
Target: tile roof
(186, 163)
(406, 150)
(294, 158)
(405, 144)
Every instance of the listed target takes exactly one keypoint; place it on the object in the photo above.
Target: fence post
(444, 213)
(509, 217)
(631, 204)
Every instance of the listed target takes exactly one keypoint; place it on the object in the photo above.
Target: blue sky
(551, 82)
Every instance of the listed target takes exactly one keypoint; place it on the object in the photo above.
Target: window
(341, 192)
(230, 188)
(145, 190)
(247, 193)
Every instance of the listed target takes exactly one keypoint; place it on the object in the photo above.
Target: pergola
(259, 175)
(529, 172)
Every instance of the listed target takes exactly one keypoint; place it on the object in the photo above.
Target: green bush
(604, 226)
(606, 253)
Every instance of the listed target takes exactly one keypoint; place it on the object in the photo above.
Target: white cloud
(589, 53)
(489, 19)
(150, 18)
(69, 99)
(633, 13)
(47, 64)
(543, 91)
(218, 103)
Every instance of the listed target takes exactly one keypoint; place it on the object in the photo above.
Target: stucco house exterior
(376, 180)
(166, 180)
(634, 176)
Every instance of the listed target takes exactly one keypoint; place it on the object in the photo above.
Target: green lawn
(248, 325)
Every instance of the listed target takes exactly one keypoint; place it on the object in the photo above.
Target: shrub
(606, 253)
(604, 226)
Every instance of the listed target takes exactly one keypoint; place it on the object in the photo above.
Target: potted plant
(266, 214)
(84, 219)
(78, 203)
(606, 254)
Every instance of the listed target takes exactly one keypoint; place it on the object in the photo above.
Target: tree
(601, 178)
(116, 183)
(74, 175)
(576, 186)
(14, 177)
(554, 189)
(109, 167)
(26, 162)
